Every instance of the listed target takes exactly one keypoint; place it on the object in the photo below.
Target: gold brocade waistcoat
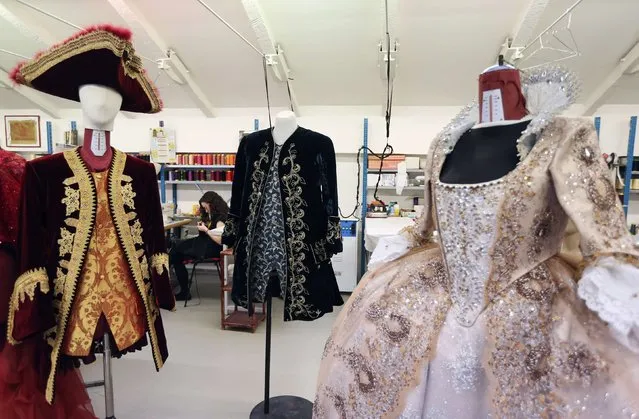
(105, 287)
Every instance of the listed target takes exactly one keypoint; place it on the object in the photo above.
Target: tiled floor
(211, 373)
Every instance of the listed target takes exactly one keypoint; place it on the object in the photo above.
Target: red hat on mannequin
(101, 55)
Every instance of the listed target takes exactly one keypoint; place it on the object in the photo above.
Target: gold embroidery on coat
(128, 195)
(74, 265)
(121, 220)
(71, 200)
(136, 232)
(71, 222)
(58, 282)
(65, 242)
(160, 262)
(144, 267)
(25, 287)
(70, 181)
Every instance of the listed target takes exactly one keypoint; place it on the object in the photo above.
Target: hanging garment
(58, 219)
(307, 180)
(21, 384)
(488, 320)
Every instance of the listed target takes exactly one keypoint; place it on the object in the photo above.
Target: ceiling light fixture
(173, 67)
(384, 57)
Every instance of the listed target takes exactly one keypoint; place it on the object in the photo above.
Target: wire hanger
(550, 39)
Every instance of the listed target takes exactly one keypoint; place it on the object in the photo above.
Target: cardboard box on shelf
(390, 162)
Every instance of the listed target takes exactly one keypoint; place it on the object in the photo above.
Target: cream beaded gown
(488, 321)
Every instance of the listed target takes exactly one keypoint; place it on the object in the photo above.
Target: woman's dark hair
(219, 208)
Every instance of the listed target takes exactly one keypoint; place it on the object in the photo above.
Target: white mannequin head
(100, 105)
(285, 125)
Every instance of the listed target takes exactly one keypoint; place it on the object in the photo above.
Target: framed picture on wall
(22, 131)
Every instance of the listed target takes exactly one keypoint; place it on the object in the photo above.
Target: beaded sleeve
(608, 277)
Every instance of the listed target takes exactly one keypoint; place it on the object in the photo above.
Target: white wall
(615, 128)
(412, 130)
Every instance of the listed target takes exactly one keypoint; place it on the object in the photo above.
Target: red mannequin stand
(93, 162)
(508, 82)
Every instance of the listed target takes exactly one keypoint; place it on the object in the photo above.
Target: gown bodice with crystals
(467, 223)
(467, 219)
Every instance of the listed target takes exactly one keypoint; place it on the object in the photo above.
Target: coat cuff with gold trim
(25, 287)
(231, 230)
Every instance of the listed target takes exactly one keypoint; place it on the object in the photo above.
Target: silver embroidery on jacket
(257, 181)
(334, 232)
(297, 233)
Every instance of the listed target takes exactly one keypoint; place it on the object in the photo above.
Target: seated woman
(208, 244)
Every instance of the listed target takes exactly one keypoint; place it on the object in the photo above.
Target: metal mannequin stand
(108, 379)
(280, 407)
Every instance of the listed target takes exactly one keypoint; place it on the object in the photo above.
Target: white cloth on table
(376, 228)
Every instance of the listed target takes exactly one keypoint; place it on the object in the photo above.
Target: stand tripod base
(284, 407)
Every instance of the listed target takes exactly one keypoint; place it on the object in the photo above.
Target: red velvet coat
(57, 218)
(11, 172)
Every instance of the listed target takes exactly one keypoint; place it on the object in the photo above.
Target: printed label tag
(98, 143)
(492, 106)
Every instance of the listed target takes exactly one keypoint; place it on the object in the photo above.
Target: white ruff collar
(548, 90)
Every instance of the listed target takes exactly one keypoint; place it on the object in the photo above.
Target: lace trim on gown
(611, 290)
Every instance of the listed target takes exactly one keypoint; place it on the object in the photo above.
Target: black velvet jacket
(308, 182)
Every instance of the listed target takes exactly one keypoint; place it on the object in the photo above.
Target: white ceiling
(331, 46)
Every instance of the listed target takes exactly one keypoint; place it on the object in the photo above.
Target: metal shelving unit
(196, 182)
(629, 165)
(198, 166)
(163, 182)
(362, 233)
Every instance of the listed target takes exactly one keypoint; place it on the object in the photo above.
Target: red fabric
(22, 387)
(509, 82)
(11, 172)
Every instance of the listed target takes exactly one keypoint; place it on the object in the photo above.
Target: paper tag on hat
(492, 108)
(98, 143)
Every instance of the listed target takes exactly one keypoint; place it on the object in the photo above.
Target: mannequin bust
(488, 151)
(500, 96)
(285, 125)
(100, 105)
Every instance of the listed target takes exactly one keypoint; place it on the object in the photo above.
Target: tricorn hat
(101, 55)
